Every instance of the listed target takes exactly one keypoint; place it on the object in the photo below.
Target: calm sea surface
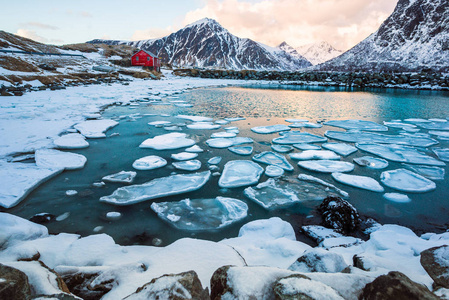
(260, 106)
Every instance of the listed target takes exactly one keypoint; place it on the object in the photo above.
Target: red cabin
(146, 59)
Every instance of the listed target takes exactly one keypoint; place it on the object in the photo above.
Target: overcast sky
(343, 23)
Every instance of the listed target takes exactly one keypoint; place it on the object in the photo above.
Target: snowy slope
(206, 43)
(318, 52)
(415, 36)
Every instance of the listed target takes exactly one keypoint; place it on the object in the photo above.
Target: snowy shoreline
(269, 243)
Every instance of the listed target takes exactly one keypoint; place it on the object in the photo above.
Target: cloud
(39, 25)
(343, 23)
(30, 34)
(83, 14)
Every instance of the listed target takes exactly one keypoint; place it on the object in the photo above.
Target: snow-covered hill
(206, 43)
(414, 37)
(316, 53)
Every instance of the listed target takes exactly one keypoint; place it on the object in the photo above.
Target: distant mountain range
(414, 37)
(316, 53)
(206, 43)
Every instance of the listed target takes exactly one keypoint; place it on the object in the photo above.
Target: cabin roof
(147, 52)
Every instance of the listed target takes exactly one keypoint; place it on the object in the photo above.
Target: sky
(342, 23)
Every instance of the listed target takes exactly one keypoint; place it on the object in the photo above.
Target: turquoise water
(260, 106)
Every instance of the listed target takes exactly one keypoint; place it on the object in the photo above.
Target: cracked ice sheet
(19, 179)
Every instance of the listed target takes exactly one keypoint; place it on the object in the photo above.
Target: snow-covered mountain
(413, 37)
(206, 43)
(316, 53)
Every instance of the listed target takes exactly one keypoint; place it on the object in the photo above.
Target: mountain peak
(204, 21)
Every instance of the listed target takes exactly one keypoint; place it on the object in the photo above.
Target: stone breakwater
(422, 80)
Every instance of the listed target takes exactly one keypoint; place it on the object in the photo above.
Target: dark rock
(396, 286)
(80, 284)
(361, 262)
(219, 283)
(47, 67)
(42, 218)
(61, 296)
(319, 260)
(339, 214)
(14, 284)
(436, 263)
(175, 286)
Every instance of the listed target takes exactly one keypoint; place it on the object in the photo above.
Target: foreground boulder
(396, 286)
(339, 214)
(14, 284)
(301, 287)
(319, 260)
(81, 284)
(185, 285)
(436, 263)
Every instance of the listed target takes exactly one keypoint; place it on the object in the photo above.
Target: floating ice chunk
(201, 214)
(221, 122)
(71, 141)
(296, 120)
(417, 121)
(305, 146)
(113, 215)
(194, 149)
(203, 125)
(340, 148)
(159, 123)
(435, 125)
(440, 134)
(437, 120)
(270, 129)
(282, 148)
(55, 159)
(273, 158)
(71, 193)
(63, 216)
(272, 194)
(174, 140)
(223, 135)
(431, 172)
(219, 143)
(239, 173)
(214, 160)
(372, 137)
(399, 125)
(241, 150)
(361, 182)
(172, 128)
(399, 153)
(19, 179)
(235, 119)
(184, 156)
(407, 181)
(442, 153)
(295, 137)
(195, 118)
(398, 198)
(305, 125)
(149, 163)
(158, 188)
(371, 162)
(357, 124)
(274, 171)
(327, 186)
(189, 165)
(122, 176)
(231, 128)
(326, 166)
(183, 105)
(95, 128)
(241, 140)
(315, 154)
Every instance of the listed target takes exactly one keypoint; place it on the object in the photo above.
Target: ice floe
(407, 181)
(203, 125)
(305, 125)
(352, 136)
(238, 173)
(184, 156)
(431, 172)
(189, 165)
(400, 153)
(169, 141)
(371, 162)
(357, 124)
(396, 197)
(282, 148)
(195, 118)
(340, 148)
(122, 176)
(306, 146)
(274, 171)
(194, 149)
(241, 150)
(295, 137)
(71, 193)
(440, 134)
(270, 129)
(324, 185)
(220, 143)
(71, 141)
(149, 163)
(315, 154)
(214, 160)
(95, 128)
(201, 214)
(158, 188)
(296, 120)
(55, 159)
(19, 179)
(361, 182)
(399, 124)
(223, 134)
(159, 123)
(235, 119)
(435, 125)
(113, 215)
(273, 158)
(326, 166)
(442, 153)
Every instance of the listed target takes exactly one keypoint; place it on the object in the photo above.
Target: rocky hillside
(206, 43)
(413, 38)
